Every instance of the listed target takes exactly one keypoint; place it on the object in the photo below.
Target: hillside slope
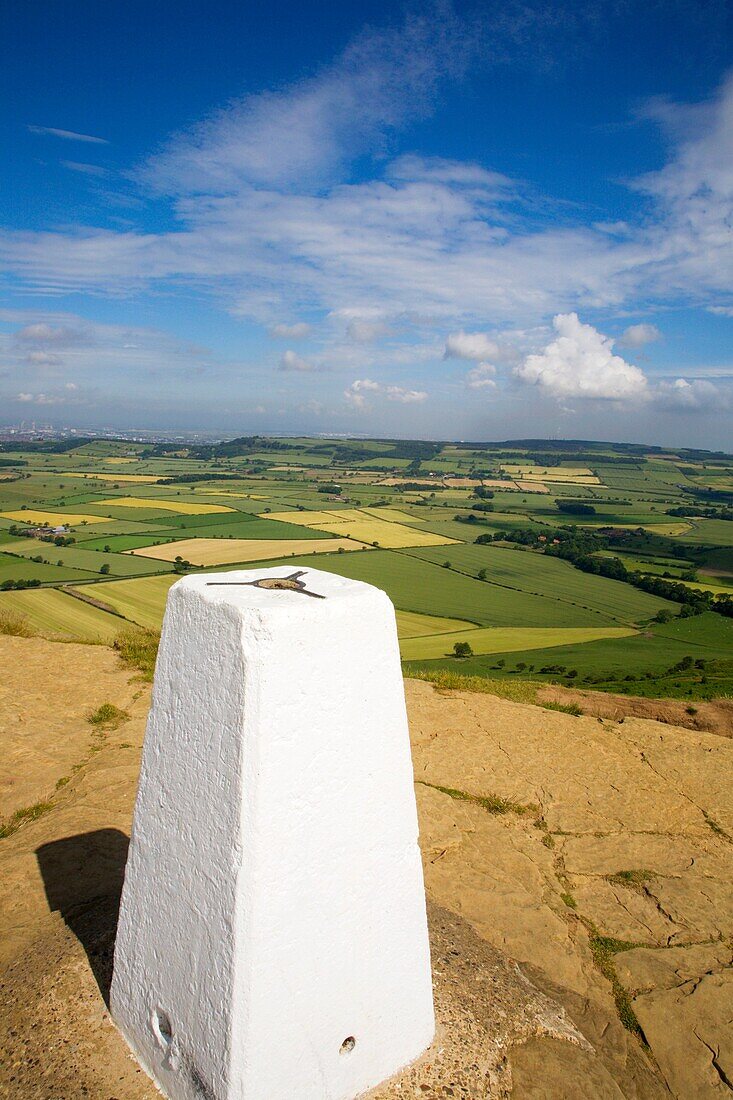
(578, 871)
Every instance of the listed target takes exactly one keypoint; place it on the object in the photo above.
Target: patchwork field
(418, 508)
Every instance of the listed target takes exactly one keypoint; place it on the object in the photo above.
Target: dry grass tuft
(15, 625)
(139, 649)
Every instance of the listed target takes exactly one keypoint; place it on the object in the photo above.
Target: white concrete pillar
(272, 942)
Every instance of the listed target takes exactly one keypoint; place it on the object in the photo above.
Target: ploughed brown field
(578, 871)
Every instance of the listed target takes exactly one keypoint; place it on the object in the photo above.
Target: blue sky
(472, 221)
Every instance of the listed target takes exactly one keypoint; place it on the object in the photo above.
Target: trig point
(272, 942)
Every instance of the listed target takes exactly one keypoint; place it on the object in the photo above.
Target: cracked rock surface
(578, 871)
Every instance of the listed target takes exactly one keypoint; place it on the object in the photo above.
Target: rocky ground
(579, 873)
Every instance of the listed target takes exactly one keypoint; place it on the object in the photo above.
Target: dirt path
(714, 716)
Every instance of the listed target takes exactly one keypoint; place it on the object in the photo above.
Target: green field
(638, 664)
(508, 639)
(92, 561)
(14, 569)
(416, 585)
(556, 579)
(56, 614)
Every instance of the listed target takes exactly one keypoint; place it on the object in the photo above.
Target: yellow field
(392, 515)
(357, 524)
(302, 519)
(533, 470)
(236, 494)
(120, 461)
(52, 519)
(531, 486)
(185, 507)
(149, 478)
(226, 551)
(498, 639)
(434, 482)
(391, 536)
(412, 624)
(559, 475)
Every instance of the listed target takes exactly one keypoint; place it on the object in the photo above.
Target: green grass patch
(108, 715)
(603, 950)
(564, 708)
(138, 649)
(492, 803)
(632, 880)
(516, 691)
(20, 817)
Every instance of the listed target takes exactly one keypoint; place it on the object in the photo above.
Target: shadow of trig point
(272, 940)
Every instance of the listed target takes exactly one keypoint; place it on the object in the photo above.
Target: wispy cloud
(85, 169)
(293, 204)
(67, 135)
(297, 331)
(291, 361)
(306, 134)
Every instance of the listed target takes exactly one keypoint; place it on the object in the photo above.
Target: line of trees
(581, 549)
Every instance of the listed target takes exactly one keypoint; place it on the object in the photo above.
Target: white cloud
(357, 393)
(481, 377)
(417, 240)
(292, 362)
(41, 398)
(470, 345)
(405, 397)
(58, 335)
(307, 132)
(461, 173)
(85, 169)
(116, 354)
(68, 135)
(366, 332)
(297, 331)
(580, 362)
(42, 359)
(636, 336)
(685, 396)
